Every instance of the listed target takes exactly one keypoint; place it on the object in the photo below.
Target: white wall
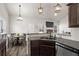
(75, 34)
(64, 26)
(29, 25)
(4, 16)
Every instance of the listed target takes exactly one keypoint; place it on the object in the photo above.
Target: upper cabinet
(73, 15)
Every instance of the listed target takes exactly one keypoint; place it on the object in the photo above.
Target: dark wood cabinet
(73, 13)
(35, 47)
(42, 48)
(47, 48)
(3, 48)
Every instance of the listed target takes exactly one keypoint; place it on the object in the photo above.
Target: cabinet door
(34, 51)
(72, 15)
(3, 49)
(46, 50)
(0, 53)
(78, 14)
(35, 48)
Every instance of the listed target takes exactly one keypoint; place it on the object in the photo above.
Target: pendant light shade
(58, 7)
(40, 9)
(19, 17)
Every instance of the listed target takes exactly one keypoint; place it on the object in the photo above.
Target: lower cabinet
(42, 48)
(3, 49)
(35, 51)
(46, 50)
(34, 47)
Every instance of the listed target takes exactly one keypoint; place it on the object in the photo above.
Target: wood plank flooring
(17, 51)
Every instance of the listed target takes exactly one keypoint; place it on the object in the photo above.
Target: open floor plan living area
(39, 29)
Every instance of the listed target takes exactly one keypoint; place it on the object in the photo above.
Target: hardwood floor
(17, 51)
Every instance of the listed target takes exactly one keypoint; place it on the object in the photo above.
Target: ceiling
(31, 10)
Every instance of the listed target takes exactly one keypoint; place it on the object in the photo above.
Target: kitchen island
(70, 45)
(67, 44)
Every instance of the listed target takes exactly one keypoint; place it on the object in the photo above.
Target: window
(1, 26)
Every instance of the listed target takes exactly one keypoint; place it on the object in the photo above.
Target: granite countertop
(70, 43)
(36, 33)
(64, 34)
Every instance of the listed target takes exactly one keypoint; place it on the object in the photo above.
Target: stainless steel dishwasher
(62, 50)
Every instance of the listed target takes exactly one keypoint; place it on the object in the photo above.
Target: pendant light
(20, 17)
(40, 9)
(58, 7)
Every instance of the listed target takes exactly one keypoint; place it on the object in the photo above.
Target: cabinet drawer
(46, 42)
(34, 43)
